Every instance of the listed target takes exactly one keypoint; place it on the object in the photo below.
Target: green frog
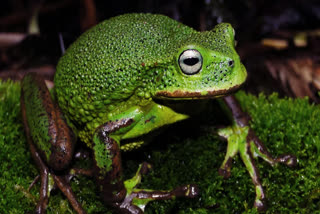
(116, 84)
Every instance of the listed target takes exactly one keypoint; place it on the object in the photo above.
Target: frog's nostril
(231, 63)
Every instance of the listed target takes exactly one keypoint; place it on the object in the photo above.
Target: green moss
(284, 125)
(17, 169)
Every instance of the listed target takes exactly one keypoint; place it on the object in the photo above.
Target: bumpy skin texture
(136, 56)
(50, 133)
(108, 85)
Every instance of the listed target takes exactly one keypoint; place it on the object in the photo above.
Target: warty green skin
(117, 68)
(118, 81)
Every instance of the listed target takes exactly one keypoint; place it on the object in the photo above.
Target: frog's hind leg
(60, 181)
(243, 140)
(124, 195)
(44, 181)
(50, 140)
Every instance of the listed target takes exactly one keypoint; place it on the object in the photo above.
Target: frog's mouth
(180, 94)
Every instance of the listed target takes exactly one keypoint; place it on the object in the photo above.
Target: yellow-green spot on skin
(204, 93)
(140, 94)
(124, 90)
(78, 98)
(106, 102)
(72, 104)
(81, 111)
(131, 146)
(111, 107)
(89, 126)
(62, 100)
(91, 107)
(96, 125)
(147, 95)
(98, 104)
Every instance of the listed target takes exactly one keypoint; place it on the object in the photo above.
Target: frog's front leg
(243, 140)
(50, 140)
(124, 195)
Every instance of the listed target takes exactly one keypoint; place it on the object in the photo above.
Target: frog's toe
(259, 150)
(129, 209)
(225, 169)
(289, 160)
(188, 191)
(225, 173)
(145, 168)
(260, 204)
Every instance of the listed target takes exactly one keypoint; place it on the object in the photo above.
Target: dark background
(291, 70)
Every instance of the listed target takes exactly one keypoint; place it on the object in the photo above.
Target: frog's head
(206, 65)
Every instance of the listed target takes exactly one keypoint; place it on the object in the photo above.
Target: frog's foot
(48, 180)
(243, 140)
(136, 199)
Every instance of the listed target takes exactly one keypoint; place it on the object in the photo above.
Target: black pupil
(231, 63)
(191, 61)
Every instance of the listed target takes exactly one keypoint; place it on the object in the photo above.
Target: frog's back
(108, 62)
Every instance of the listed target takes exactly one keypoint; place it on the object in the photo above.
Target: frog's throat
(180, 94)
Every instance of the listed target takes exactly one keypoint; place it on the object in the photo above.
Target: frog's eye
(190, 61)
